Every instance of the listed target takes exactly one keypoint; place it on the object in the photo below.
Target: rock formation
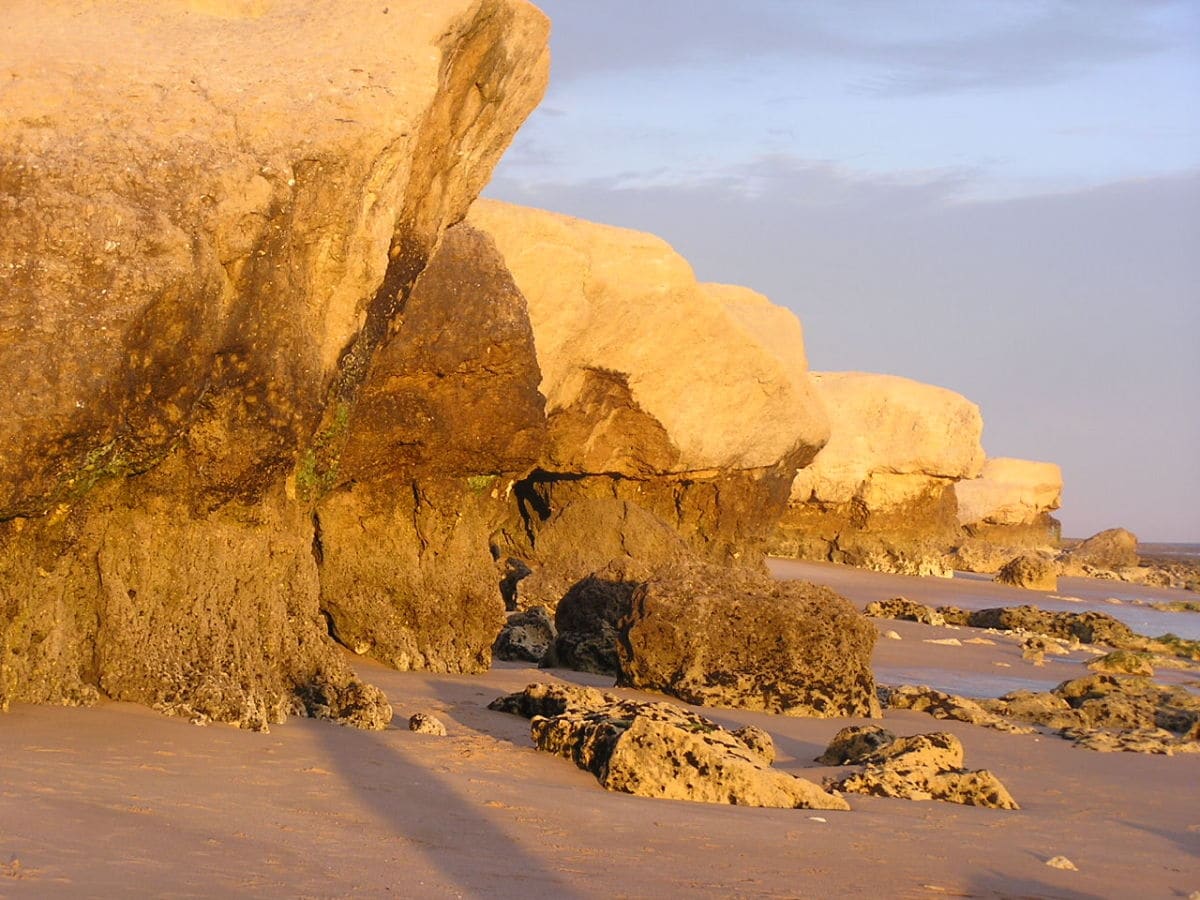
(920, 767)
(1006, 511)
(632, 474)
(719, 637)
(660, 750)
(196, 309)
(1112, 549)
(1029, 571)
(880, 495)
(527, 636)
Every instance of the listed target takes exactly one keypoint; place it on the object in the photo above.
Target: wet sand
(120, 801)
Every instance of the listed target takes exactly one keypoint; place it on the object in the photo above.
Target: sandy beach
(117, 800)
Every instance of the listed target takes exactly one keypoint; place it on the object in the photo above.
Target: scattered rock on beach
(1061, 862)
(853, 743)
(1122, 662)
(715, 636)
(942, 705)
(1086, 627)
(904, 609)
(659, 749)
(1029, 571)
(425, 723)
(924, 767)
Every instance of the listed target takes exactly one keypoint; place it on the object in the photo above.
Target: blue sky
(1000, 197)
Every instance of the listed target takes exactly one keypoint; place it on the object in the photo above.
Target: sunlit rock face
(1007, 510)
(675, 410)
(880, 495)
(213, 216)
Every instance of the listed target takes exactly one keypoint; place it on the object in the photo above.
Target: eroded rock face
(660, 750)
(191, 305)
(924, 767)
(617, 318)
(720, 637)
(448, 418)
(880, 495)
(1007, 511)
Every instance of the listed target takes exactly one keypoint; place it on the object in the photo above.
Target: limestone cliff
(881, 493)
(674, 409)
(1006, 511)
(212, 218)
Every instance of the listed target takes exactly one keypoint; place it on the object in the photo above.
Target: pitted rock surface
(925, 767)
(659, 750)
(726, 637)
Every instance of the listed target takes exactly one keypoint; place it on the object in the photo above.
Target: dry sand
(118, 801)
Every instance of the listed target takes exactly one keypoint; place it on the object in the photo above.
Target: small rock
(424, 723)
(1061, 862)
(853, 743)
(945, 642)
(892, 636)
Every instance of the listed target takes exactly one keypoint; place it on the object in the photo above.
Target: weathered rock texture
(880, 495)
(1007, 511)
(526, 636)
(720, 637)
(920, 767)
(1114, 548)
(1105, 712)
(1029, 571)
(660, 750)
(191, 307)
(675, 410)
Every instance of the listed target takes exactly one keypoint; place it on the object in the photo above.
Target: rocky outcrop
(195, 306)
(942, 705)
(1105, 712)
(1029, 571)
(922, 767)
(720, 637)
(617, 319)
(660, 750)
(880, 495)
(1112, 549)
(1007, 511)
(905, 609)
(1086, 627)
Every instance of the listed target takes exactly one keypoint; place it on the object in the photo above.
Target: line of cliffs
(278, 384)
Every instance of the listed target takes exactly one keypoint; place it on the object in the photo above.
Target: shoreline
(117, 794)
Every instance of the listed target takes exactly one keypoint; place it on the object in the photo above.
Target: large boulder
(1006, 511)
(688, 402)
(880, 495)
(660, 750)
(191, 304)
(1114, 548)
(1029, 571)
(734, 638)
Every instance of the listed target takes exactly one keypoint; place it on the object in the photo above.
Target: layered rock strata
(880, 495)
(677, 413)
(660, 750)
(191, 309)
(1006, 511)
